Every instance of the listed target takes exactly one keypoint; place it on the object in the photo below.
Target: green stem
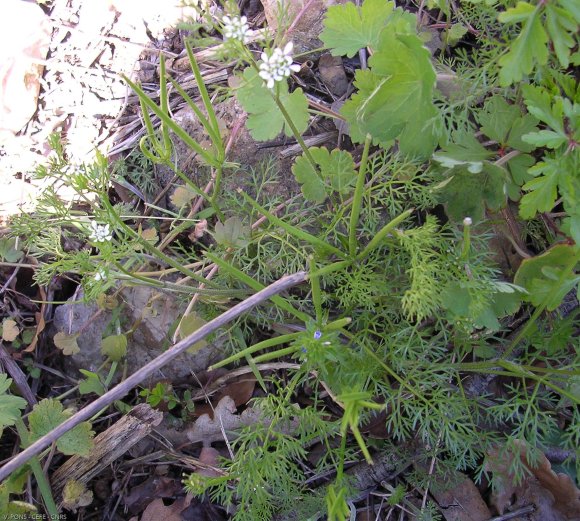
(316, 293)
(111, 373)
(271, 342)
(340, 469)
(383, 232)
(357, 199)
(466, 239)
(152, 249)
(299, 233)
(297, 135)
(41, 481)
(217, 187)
(275, 354)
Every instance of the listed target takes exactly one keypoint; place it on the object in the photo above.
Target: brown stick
(109, 446)
(136, 378)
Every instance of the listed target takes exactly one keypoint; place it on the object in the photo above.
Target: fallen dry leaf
(10, 330)
(565, 494)
(240, 389)
(210, 457)
(156, 487)
(67, 343)
(462, 502)
(332, 74)
(157, 511)
(40, 325)
(182, 196)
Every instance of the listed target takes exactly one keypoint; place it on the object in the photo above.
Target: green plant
(45, 415)
(161, 396)
(405, 305)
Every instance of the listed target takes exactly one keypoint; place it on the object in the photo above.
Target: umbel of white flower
(278, 65)
(100, 232)
(237, 28)
(100, 275)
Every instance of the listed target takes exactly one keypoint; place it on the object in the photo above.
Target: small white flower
(100, 275)
(467, 221)
(278, 65)
(237, 28)
(100, 232)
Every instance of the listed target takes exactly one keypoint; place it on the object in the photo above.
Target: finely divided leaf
(348, 27)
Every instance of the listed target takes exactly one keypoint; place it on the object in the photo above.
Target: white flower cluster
(100, 232)
(278, 65)
(237, 28)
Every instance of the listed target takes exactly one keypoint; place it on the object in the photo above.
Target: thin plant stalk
(39, 476)
(297, 134)
(316, 293)
(358, 195)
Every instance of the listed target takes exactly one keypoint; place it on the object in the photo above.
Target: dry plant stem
(109, 446)
(298, 16)
(12, 368)
(135, 379)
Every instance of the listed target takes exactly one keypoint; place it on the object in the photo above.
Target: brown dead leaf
(156, 511)
(10, 330)
(40, 325)
(155, 487)
(462, 502)
(207, 429)
(332, 74)
(240, 389)
(67, 343)
(210, 457)
(150, 235)
(564, 492)
(182, 196)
